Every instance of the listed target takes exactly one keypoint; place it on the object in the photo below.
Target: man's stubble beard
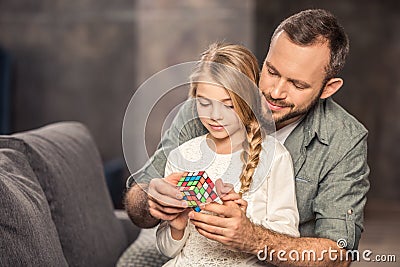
(293, 113)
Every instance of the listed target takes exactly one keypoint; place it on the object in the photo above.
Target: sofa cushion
(28, 236)
(68, 166)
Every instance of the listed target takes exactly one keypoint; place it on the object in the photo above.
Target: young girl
(235, 150)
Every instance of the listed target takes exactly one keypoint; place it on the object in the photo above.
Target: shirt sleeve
(339, 204)
(282, 213)
(166, 244)
(184, 127)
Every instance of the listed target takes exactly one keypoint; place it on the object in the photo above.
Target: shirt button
(350, 211)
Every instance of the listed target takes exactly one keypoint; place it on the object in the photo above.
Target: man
(328, 147)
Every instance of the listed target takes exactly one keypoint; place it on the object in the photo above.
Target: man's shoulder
(328, 127)
(339, 122)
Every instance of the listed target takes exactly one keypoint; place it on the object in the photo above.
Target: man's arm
(283, 250)
(136, 205)
(340, 202)
(237, 232)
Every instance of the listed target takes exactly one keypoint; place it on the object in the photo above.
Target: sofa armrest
(131, 230)
(68, 167)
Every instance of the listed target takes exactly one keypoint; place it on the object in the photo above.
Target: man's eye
(271, 72)
(299, 86)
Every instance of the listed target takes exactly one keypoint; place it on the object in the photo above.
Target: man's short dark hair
(315, 25)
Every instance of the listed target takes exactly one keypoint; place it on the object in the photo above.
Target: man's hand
(164, 199)
(146, 204)
(231, 227)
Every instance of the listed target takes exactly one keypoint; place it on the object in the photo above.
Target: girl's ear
(331, 87)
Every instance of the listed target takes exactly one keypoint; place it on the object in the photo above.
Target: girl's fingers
(242, 204)
(223, 188)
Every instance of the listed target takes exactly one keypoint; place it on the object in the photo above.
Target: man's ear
(331, 87)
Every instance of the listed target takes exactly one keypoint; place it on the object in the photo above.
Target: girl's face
(217, 114)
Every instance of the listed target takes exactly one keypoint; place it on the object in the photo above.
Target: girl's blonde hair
(235, 68)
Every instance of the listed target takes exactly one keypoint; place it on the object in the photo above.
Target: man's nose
(279, 91)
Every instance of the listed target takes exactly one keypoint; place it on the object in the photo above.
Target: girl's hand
(227, 193)
(180, 222)
(242, 204)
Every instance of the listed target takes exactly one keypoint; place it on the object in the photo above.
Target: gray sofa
(55, 209)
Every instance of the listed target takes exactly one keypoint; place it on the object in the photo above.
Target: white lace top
(271, 200)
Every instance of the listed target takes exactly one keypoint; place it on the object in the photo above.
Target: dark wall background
(71, 60)
(371, 90)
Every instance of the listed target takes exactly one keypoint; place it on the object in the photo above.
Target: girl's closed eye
(229, 106)
(203, 101)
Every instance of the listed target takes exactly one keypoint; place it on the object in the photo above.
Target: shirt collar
(316, 124)
(284, 132)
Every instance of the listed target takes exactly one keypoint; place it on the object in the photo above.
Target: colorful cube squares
(196, 188)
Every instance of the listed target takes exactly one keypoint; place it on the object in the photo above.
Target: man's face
(292, 78)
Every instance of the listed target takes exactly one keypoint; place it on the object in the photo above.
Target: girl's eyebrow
(222, 100)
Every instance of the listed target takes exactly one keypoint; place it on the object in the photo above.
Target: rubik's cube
(197, 188)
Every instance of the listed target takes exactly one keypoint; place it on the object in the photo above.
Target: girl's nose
(216, 112)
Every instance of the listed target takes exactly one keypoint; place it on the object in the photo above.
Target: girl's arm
(166, 243)
(282, 212)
